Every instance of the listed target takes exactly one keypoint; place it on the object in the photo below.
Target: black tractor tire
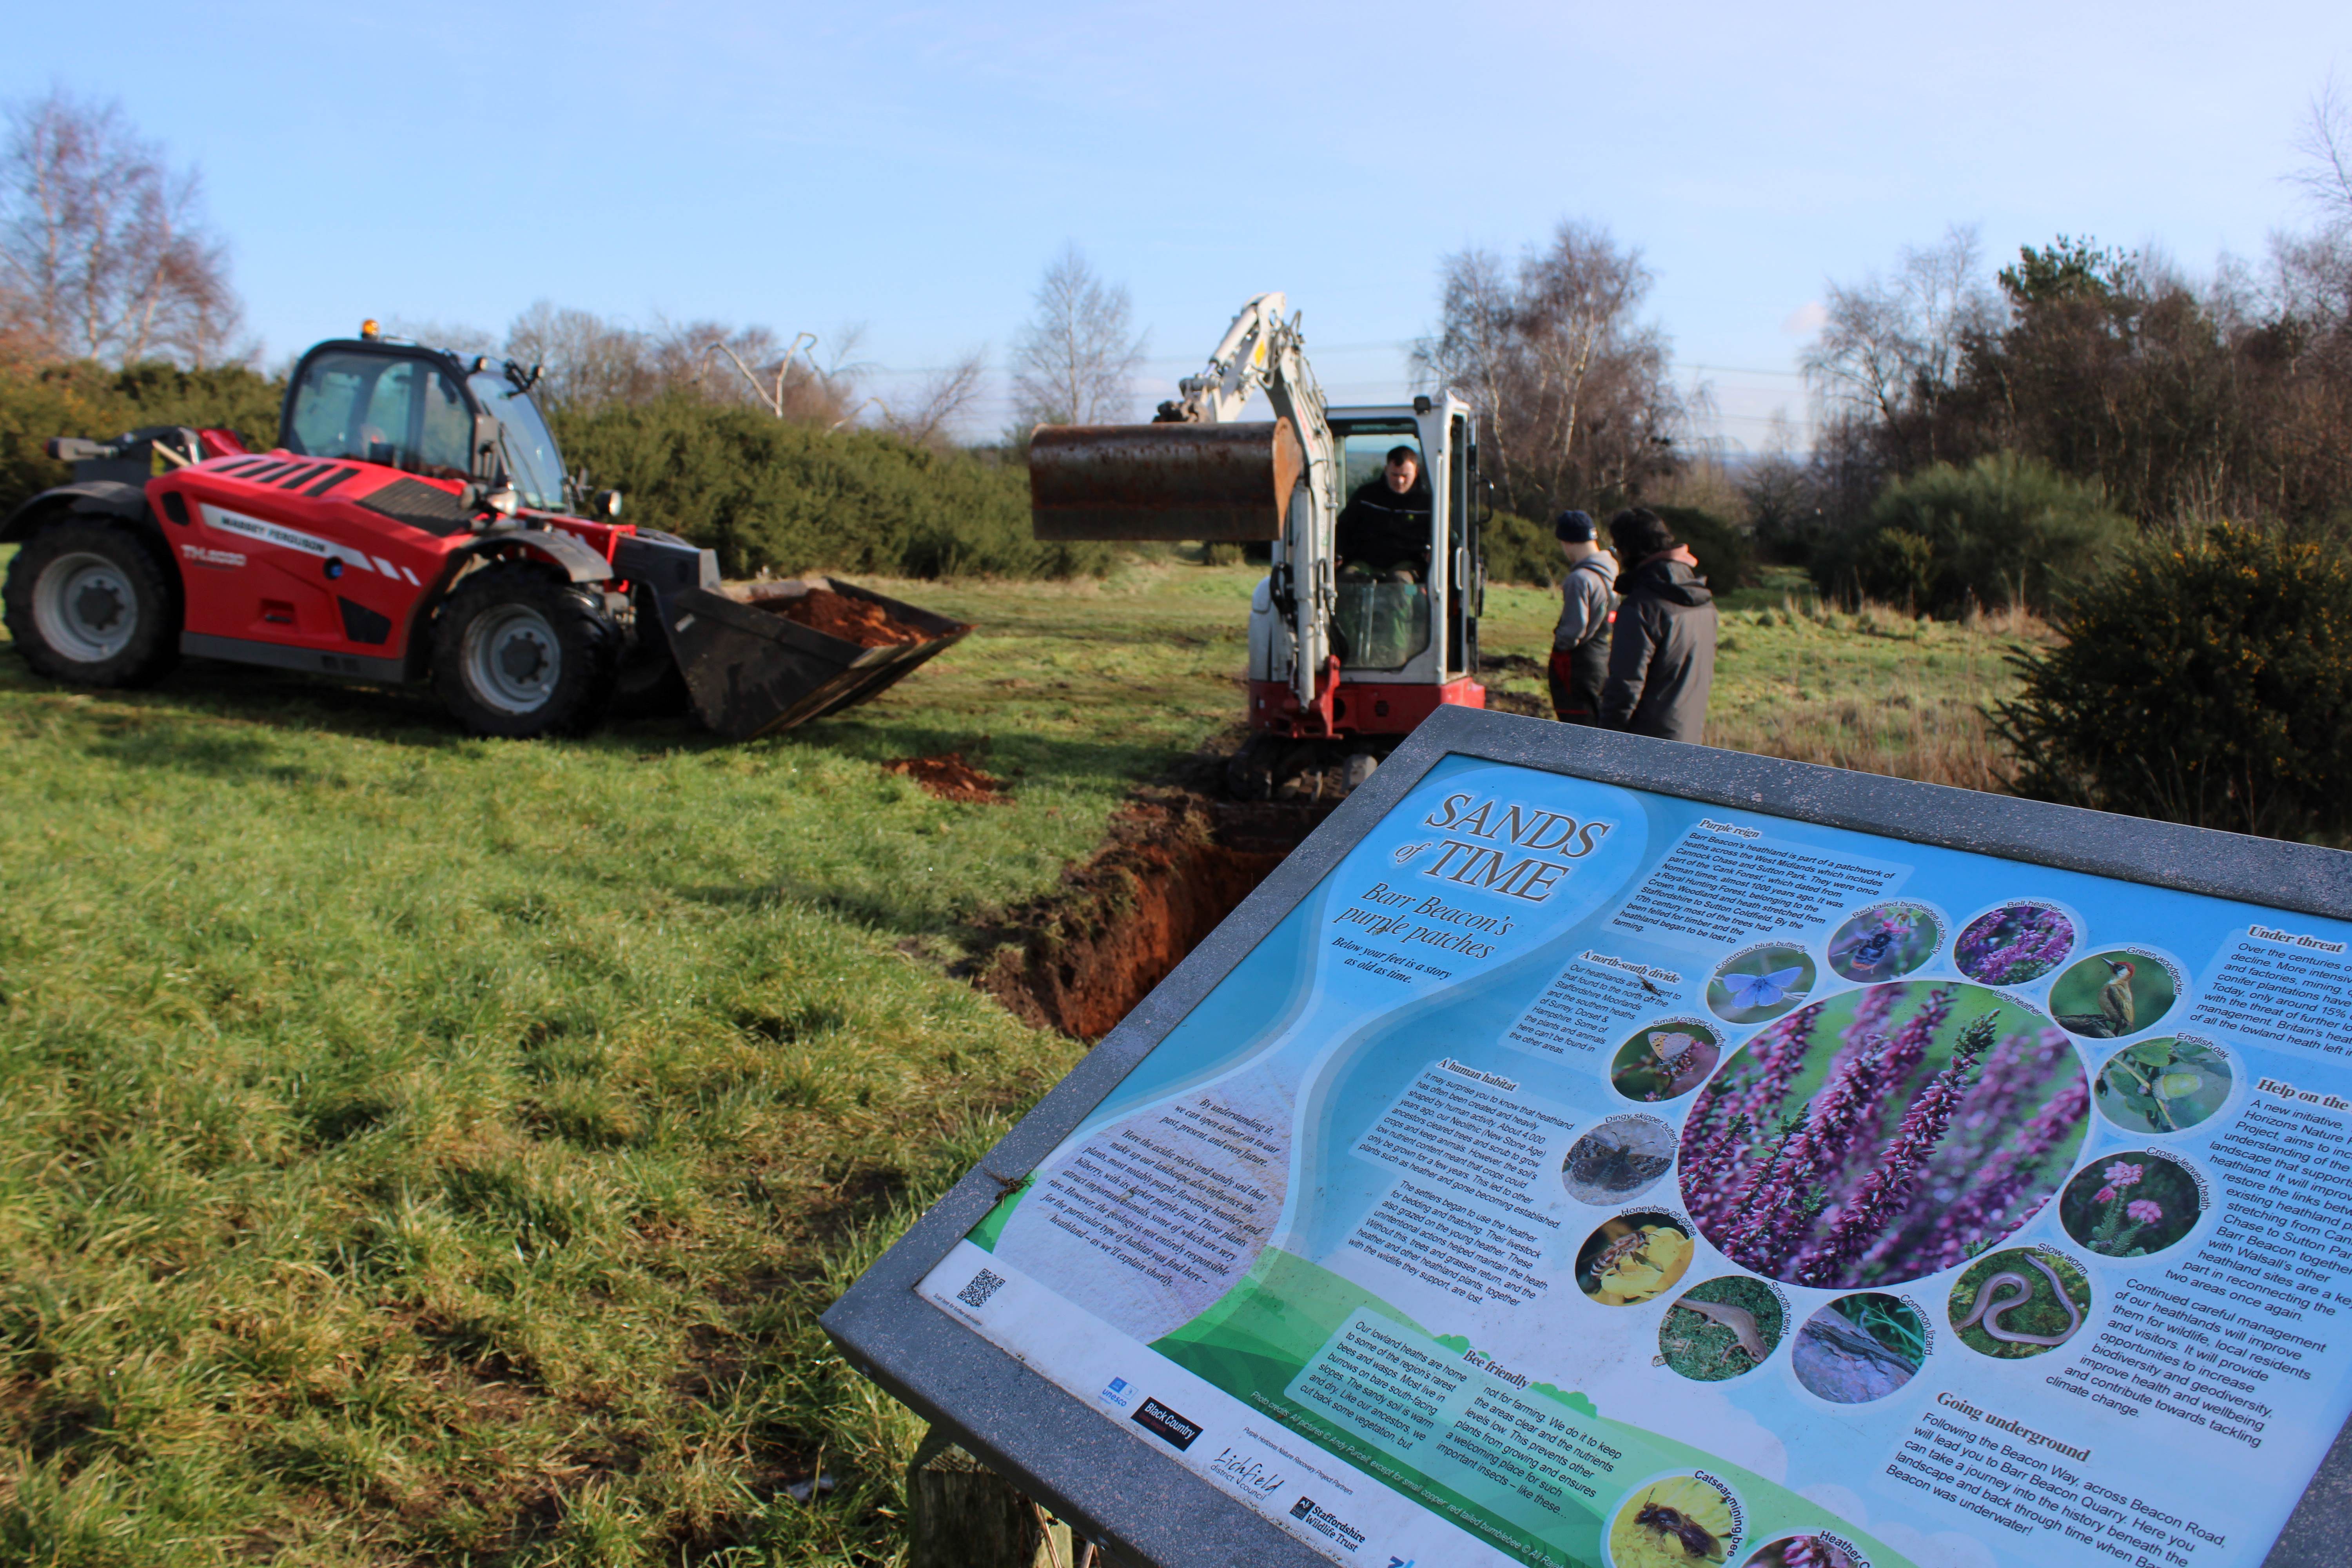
(90, 603)
(517, 654)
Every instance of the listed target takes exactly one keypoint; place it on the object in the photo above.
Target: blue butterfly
(1761, 990)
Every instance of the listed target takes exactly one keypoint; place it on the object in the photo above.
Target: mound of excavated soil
(949, 777)
(1178, 861)
(860, 621)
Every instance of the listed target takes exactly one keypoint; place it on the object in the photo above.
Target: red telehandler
(416, 524)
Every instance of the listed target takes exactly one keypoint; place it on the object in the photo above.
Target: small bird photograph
(1885, 941)
(2110, 995)
(1759, 983)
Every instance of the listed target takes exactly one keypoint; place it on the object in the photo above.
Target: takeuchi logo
(1482, 831)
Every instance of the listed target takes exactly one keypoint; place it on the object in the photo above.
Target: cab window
(379, 409)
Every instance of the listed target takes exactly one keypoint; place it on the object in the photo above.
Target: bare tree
(1574, 393)
(586, 360)
(104, 250)
(2325, 143)
(929, 416)
(1890, 348)
(1074, 362)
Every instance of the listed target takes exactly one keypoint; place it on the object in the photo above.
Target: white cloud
(1946, 1549)
(1805, 320)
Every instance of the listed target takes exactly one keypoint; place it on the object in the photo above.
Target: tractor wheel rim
(512, 659)
(86, 608)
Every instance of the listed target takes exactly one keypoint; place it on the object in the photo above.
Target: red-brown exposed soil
(860, 621)
(949, 777)
(1178, 861)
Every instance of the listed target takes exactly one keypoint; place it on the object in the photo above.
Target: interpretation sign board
(1601, 1152)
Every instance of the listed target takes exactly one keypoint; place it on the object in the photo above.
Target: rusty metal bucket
(1224, 483)
(751, 671)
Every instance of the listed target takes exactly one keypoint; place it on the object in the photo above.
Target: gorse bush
(1520, 549)
(85, 399)
(2208, 681)
(2003, 529)
(768, 495)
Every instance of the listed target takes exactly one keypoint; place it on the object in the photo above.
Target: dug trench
(1180, 856)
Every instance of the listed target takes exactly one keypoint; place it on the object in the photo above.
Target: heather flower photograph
(1621, 1159)
(1721, 1329)
(2111, 995)
(1801, 1552)
(1885, 941)
(1633, 1258)
(2014, 944)
(1666, 1061)
(1860, 1348)
(1883, 1135)
(2128, 1206)
(2018, 1303)
(2162, 1086)
(1759, 983)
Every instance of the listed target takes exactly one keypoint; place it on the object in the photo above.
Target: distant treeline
(2005, 440)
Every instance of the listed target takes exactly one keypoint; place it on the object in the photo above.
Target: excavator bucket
(769, 656)
(1228, 483)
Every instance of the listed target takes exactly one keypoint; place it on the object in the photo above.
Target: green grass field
(424, 1149)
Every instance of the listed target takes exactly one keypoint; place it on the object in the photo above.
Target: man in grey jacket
(1662, 652)
(1580, 644)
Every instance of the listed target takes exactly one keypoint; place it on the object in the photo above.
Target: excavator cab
(1342, 662)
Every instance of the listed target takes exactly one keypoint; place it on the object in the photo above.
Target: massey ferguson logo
(227, 560)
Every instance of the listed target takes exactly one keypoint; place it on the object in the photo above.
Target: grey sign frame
(1121, 1490)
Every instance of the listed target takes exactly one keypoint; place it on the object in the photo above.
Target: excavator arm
(1199, 472)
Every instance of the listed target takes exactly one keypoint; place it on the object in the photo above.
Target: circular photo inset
(1883, 1135)
(2111, 995)
(1759, 983)
(1618, 1160)
(2162, 1086)
(1803, 1551)
(2019, 1303)
(1860, 1348)
(1721, 1329)
(1676, 1522)
(1666, 1061)
(1633, 1258)
(1885, 941)
(2130, 1205)
(2014, 944)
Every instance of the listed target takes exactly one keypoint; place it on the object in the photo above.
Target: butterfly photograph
(1759, 983)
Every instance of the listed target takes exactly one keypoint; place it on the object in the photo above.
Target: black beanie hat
(1573, 527)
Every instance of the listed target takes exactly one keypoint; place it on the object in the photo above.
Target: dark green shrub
(85, 399)
(768, 495)
(1521, 550)
(2207, 682)
(2003, 529)
(1727, 557)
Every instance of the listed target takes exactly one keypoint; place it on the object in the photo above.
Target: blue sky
(913, 168)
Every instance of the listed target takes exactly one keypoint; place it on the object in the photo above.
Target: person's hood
(1673, 582)
(1601, 564)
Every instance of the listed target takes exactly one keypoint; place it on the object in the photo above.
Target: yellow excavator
(1342, 664)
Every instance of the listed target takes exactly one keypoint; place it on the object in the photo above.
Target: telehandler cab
(416, 524)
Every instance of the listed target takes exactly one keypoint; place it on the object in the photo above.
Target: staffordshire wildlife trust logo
(1324, 1522)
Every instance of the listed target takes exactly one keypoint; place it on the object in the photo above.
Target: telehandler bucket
(753, 669)
(1224, 483)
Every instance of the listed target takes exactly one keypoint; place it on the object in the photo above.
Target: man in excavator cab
(1383, 535)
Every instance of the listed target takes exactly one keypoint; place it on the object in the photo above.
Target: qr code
(984, 1284)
